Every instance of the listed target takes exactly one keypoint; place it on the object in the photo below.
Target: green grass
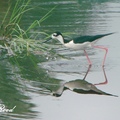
(16, 40)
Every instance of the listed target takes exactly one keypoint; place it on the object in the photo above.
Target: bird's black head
(58, 36)
(56, 94)
(55, 34)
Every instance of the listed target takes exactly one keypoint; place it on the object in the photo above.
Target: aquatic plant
(16, 40)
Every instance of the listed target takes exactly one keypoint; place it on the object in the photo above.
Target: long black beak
(46, 41)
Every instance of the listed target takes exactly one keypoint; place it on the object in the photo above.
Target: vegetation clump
(15, 40)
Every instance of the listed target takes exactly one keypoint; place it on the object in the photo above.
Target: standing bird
(80, 86)
(81, 43)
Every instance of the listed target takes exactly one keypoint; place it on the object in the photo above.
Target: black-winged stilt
(81, 43)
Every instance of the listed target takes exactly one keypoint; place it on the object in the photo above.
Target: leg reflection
(106, 81)
(87, 72)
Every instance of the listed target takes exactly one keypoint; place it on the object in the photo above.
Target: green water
(26, 82)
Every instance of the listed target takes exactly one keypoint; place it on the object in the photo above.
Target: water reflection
(21, 79)
(106, 81)
(87, 72)
(80, 86)
(12, 92)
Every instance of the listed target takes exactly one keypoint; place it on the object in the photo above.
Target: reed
(16, 40)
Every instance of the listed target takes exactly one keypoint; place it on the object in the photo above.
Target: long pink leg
(106, 81)
(88, 58)
(106, 50)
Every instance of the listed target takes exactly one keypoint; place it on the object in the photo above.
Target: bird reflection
(80, 86)
(106, 81)
(87, 72)
(102, 83)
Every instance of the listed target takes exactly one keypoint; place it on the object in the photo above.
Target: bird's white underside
(79, 46)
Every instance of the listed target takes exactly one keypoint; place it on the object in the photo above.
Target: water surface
(27, 83)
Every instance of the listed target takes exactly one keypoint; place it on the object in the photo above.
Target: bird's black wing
(66, 41)
(83, 39)
(99, 92)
